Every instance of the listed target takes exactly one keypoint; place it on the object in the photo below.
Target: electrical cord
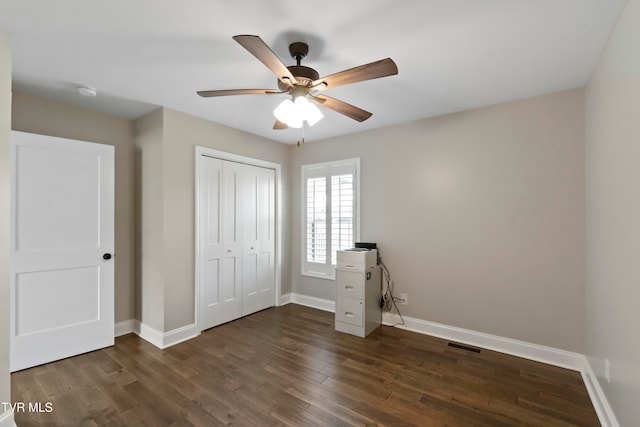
(388, 302)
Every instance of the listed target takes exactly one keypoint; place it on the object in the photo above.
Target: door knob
(106, 256)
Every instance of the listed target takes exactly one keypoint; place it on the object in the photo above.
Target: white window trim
(326, 169)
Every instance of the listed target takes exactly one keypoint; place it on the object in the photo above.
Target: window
(330, 214)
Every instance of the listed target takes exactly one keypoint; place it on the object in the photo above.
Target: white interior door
(62, 290)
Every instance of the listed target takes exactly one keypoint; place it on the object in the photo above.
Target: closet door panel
(265, 236)
(258, 267)
(250, 301)
(213, 242)
(231, 245)
(210, 241)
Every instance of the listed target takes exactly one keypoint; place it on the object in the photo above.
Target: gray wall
(479, 216)
(149, 293)
(47, 117)
(613, 216)
(5, 192)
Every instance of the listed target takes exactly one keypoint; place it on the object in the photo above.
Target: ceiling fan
(304, 83)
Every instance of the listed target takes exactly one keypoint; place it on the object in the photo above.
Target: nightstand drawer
(350, 284)
(349, 310)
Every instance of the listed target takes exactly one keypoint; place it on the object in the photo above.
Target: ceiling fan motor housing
(304, 75)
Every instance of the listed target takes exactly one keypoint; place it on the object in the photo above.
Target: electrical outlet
(404, 299)
(607, 370)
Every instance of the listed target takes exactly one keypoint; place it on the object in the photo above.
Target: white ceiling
(452, 55)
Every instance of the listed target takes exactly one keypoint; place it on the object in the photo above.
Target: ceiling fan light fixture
(283, 110)
(293, 113)
(309, 111)
(287, 113)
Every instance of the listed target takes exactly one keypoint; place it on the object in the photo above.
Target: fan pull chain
(301, 135)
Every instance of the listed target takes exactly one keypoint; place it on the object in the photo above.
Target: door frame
(223, 155)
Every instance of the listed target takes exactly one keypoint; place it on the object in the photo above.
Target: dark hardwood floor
(287, 366)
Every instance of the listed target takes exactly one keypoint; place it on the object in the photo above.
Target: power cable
(388, 301)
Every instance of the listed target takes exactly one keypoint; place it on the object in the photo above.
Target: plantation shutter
(330, 220)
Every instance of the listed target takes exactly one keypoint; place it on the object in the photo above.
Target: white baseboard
(148, 334)
(163, 340)
(284, 299)
(598, 398)
(6, 419)
(536, 352)
(179, 335)
(319, 303)
(125, 327)
(539, 353)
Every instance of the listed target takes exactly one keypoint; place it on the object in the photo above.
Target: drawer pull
(349, 287)
(348, 313)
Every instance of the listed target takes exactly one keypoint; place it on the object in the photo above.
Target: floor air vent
(464, 347)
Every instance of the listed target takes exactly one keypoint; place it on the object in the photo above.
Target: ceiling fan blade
(342, 107)
(382, 68)
(226, 92)
(258, 48)
(279, 125)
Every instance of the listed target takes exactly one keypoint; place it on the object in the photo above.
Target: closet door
(258, 219)
(237, 240)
